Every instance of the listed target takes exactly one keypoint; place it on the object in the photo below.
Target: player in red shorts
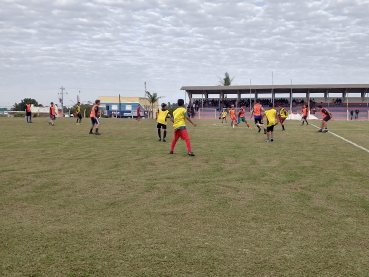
(139, 113)
(179, 124)
(282, 115)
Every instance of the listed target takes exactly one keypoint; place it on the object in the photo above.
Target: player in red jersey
(327, 115)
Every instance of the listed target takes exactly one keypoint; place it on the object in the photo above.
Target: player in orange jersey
(241, 115)
(304, 115)
(232, 114)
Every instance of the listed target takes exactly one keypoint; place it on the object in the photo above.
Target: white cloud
(107, 47)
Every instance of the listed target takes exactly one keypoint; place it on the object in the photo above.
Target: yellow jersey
(283, 113)
(179, 118)
(162, 117)
(224, 114)
(271, 116)
(78, 109)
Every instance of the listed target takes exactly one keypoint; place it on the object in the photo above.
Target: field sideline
(73, 204)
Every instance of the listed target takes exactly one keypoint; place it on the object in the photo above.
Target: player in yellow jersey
(78, 113)
(179, 117)
(163, 114)
(282, 115)
(272, 120)
(224, 115)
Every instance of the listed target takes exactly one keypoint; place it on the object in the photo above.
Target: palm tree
(153, 98)
(226, 81)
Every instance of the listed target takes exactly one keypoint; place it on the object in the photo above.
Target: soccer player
(232, 114)
(94, 115)
(78, 113)
(304, 115)
(163, 114)
(28, 113)
(256, 111)
(242, 118)
(139, 113)
(272, 120)
(179, 124)
(224, 115)
(326, 117)
(52, 114)
(283, 114)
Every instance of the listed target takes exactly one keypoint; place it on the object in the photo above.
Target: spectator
(357, 114)
(352, 114)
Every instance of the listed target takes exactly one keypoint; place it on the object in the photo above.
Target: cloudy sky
(111, 47)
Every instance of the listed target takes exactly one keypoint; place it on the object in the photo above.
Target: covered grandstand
(340, 98)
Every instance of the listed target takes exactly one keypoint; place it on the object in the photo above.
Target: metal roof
(314, 88)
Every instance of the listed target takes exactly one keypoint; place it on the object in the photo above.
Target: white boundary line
(353, 143)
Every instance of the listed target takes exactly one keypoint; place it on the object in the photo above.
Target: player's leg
(184, 135)
(97, 127)
(164, 132)
(30, 117)
(325, 120)
(158, 126)
(268, 134)
(272, 133)
(281, 120)
(92, 125)
(174, 141)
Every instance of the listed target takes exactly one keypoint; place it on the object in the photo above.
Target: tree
(153, 98)
(22, 105)
(226, 81)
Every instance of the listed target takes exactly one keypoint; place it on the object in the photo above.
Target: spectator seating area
(339, 111)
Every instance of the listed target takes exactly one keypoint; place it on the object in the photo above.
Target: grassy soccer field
(73, 204)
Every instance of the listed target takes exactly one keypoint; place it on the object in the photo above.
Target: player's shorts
(138, 115)
(28, 113)
(161, 126)
(270, 128)
(258, 119)
(52, 117)
(233, 118)
(327, 118)
(304, 117)
(243, 119)
(95, 121)
(282, 119)
(181, 133)
(224, 117)
(79, 115)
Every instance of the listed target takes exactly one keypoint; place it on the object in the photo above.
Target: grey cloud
(110, 44)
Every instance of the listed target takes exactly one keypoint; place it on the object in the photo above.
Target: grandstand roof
(267, 89)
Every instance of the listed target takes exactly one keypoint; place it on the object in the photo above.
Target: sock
(282, 127)
(248, 125)
(165, 133)
(91, 130)
(159, 133)
(97, 130)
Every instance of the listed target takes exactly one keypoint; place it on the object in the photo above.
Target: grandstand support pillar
(345, 95)
(308, 101)
(238, 97)
(273, 96)
(363, 94)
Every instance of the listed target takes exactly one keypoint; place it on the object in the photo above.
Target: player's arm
(189, 119)
(170, 117)
(252, 112)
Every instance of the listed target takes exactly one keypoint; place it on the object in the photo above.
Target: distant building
(126, 106)
(3, 112)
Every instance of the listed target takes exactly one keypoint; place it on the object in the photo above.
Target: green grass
(73, 204)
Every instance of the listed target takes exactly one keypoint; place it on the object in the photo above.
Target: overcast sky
(107, 47)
